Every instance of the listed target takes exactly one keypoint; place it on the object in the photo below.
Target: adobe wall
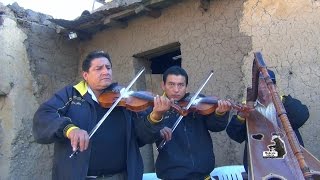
(35, 62)
(287, 33)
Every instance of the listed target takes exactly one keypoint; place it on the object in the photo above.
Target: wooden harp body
(273, 149)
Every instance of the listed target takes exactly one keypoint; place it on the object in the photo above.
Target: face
(175, 87)
(99, 75)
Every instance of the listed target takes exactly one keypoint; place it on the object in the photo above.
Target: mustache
(106, 76)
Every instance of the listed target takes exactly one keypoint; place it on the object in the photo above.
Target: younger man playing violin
(66, 118)
(189, 154)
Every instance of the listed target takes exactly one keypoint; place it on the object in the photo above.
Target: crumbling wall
(35, 61)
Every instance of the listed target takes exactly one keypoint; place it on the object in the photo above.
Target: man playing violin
(189, 154)
(67, 117)
(297, 113)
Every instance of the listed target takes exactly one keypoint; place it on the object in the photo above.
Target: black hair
(86, 64)
(175, 70)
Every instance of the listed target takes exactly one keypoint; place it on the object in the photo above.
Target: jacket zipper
(189, 146)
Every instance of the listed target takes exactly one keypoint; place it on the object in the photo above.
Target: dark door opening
(161, 63)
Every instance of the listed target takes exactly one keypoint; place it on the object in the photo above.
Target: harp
(291, 161)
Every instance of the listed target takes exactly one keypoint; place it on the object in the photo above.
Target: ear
(85, 75)
(162, 86)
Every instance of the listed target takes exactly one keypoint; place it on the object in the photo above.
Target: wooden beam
(108, 20)
(154, 2)
(115, 23)
(113, 20)
(122, 14)
(155, 13)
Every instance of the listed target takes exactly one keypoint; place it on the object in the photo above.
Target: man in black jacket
(67, 117)
(189, 155)
(297, 113)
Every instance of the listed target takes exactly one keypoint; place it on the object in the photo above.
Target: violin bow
(123, 93)
(193, 99)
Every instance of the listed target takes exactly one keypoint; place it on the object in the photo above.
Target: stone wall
(35, 62)
(223, 39)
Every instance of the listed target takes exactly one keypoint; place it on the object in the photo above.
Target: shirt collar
(93, 96)
(258, 103)
(109, 88)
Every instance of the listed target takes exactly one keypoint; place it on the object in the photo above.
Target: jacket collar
(82, 87)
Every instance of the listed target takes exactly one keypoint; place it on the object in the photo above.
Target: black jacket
(189, 154)
(73, 104)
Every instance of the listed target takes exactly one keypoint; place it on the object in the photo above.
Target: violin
(134, 101)
(141, 100)
(207, 105)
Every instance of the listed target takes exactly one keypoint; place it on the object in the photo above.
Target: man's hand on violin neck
(223, 106)
(79, 138)
(161, 105)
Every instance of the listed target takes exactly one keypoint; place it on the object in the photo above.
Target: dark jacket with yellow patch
(189, 154)
(73, 104)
